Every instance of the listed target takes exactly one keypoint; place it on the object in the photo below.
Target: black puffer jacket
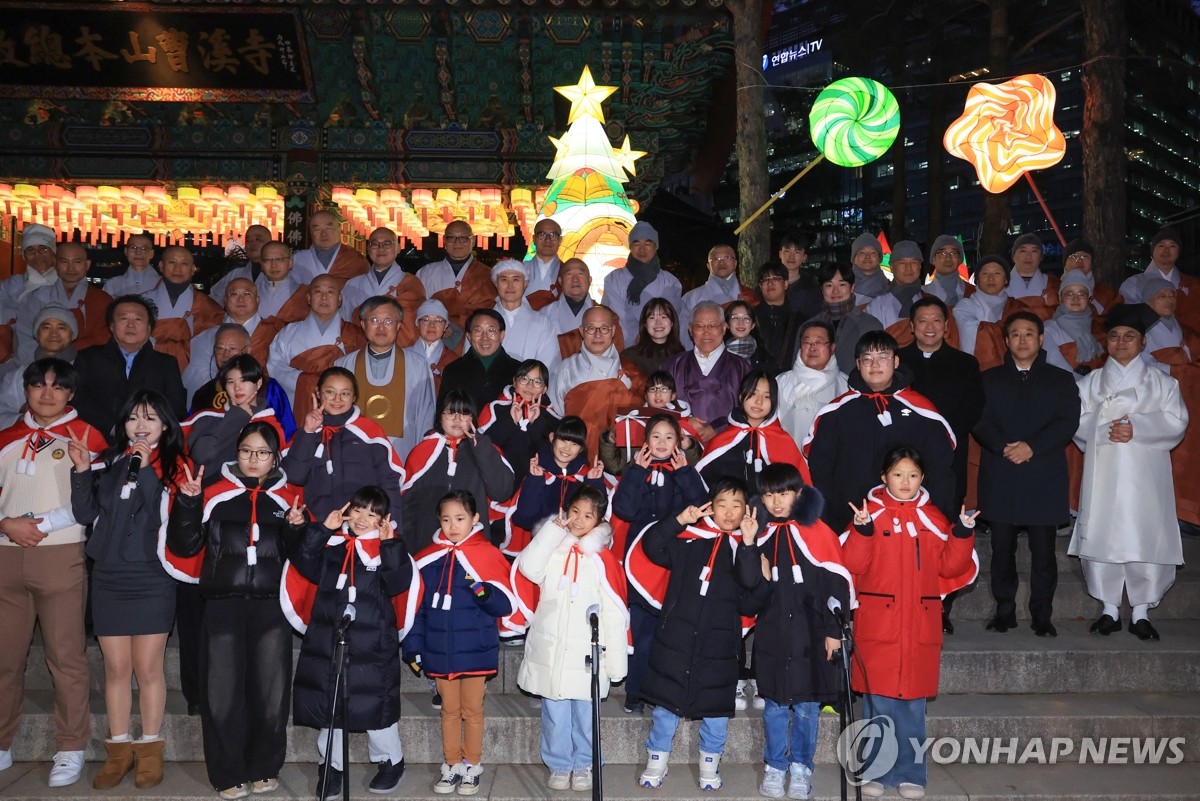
(793, 616)
(374, 642)
(694, 663)
(224, 534)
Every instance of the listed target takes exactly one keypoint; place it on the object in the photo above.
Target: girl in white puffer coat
(570, 562)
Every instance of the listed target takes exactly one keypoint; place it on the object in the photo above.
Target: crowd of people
(476, 454)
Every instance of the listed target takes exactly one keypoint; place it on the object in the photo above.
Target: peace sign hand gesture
(295, 515)
(77, 449)
(643, 458)
(315, 418)
(192, 485)
(750, 526)
(334, 520)
(693, 513)
(968, 520)
(596, 470)
(861, 516)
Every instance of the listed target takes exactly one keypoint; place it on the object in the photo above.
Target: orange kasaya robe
(448, 355)
(543, 298)
(347, 264)
(1185, 458)
(6, 342)
(1187, 309)
(293, 310)
(173, 335)
(473, 290)
(89, 314)
(410, 294)
(597, 402)
(314, 361)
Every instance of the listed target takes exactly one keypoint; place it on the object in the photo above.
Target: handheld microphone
(348, 617)
(835, 606)
(135, 464)
(593, 616)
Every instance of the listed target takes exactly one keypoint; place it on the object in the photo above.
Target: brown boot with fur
(119, 763)
(149, 758)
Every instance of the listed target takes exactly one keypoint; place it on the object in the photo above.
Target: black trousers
(189, 617)
(246, 665)
(1043, 572)
(642, 624)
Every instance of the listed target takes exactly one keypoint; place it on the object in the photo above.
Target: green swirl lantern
(854, 121)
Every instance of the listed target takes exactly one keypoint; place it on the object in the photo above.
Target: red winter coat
(900, 581)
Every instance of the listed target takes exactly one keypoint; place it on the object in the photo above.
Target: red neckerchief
(783, 531)
(706, 529)
(447, 577)
(327, 432)
(655, 475)
(367, 547)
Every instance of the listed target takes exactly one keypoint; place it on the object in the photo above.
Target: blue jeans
(909, 720)
(780, 750)
(566, 734)
(662, 731)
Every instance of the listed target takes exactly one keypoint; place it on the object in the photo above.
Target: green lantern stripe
(854, 121)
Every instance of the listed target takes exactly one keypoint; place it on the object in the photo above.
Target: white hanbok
(528, 335)
(131, 282)
(541, 274)
(272, 296)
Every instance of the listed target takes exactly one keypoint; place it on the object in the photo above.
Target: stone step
(187, 781)
(973, 660)
(513, 726)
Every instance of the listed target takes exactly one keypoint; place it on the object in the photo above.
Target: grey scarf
(1078, 326)
(872, 285)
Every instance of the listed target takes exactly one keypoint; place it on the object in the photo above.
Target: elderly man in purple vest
(708, 376)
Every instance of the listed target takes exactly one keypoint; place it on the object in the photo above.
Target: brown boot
(119, 762)
(149, 758)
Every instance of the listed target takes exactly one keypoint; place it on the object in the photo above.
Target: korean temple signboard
(139, 52)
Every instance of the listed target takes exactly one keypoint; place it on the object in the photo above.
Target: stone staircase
(998, 686)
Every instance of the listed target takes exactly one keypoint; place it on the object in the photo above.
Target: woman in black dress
(133, 597)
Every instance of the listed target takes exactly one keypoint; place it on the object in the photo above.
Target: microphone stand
(593, 661)
(846, 712)
(340, 697)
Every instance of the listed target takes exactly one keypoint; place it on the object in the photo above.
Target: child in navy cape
(658, 484)
(455, 638)
(796, 631)
(353, 561)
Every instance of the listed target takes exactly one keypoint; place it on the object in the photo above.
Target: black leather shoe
(1106, 625)
(334, 789)
(1044, 628)
(388, 777)
(947, 626)
(1002, 623)
(1144, 631)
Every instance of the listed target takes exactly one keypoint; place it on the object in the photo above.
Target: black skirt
(132, 598)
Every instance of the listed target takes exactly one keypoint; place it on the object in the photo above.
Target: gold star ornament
(586, 97)
(626, 157)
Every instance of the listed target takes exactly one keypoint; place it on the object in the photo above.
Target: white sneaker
(873, 790)
(739, 697)
(581, 780)
(910, 790)
(5, 760)
(710, 771)
(471, 774)
(799, 781)
(656, 769)
(559, 780)
(68, 768)
(772, 783)
(756, 700)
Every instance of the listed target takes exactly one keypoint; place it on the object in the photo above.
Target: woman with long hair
(657, 336)
(133, 597)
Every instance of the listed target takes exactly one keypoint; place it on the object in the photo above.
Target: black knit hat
(1130, 315)
(1078, 246)
(1169, 232)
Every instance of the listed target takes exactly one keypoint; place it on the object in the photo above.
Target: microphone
(348, 617)
(135, 464)
(835, 606)
(593, 616)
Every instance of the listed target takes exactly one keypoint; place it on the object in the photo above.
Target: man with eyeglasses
(486, 368)
(627, 290)
(241, 308)
(1039, 290)
(231, 339)
(597, 381)
(386, 277)
(280, 294)
(947, 285)
(879, 412)
(866, 255)
(306, 348)
(438, 342)
(38, 249)
(813, 381)
(73, 291)
(543, 268)
(708, 375)
(140, 277)
(460, 281)
(891, 308)
(326, 255)
(183, 312)
(256, 237)
(1127, 535)
(773, 315)
(395, 388)
(529, 333)
(722, 287)
(1030, 413)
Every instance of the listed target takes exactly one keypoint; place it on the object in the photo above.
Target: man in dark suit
(486, 369)
(108, 374)
(1030, 414)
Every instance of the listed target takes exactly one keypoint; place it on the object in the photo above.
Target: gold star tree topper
(586, 97)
